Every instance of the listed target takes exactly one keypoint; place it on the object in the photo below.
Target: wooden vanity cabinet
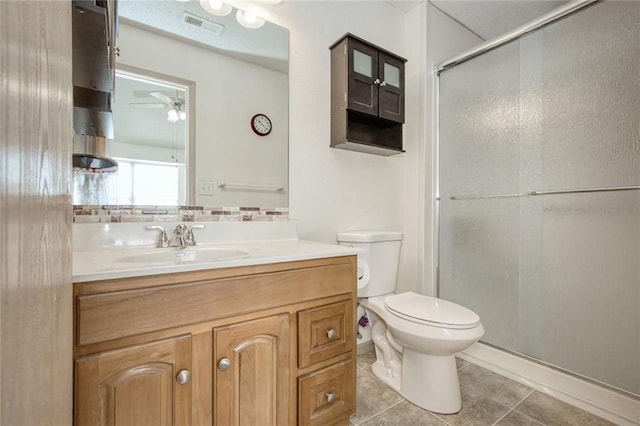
(367, 97)
(270, 344)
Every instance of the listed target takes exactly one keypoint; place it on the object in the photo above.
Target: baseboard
(614, 406)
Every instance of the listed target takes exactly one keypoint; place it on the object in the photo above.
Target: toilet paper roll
(363, 274)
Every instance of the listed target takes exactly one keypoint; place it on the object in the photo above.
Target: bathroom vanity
(249, 340)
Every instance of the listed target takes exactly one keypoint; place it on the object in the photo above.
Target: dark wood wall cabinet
(367, 97)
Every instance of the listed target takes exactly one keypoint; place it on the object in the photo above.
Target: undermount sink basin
(187, 255)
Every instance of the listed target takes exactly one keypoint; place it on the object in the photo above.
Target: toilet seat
(431, 311)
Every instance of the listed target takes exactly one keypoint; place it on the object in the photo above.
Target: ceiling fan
(176, 105)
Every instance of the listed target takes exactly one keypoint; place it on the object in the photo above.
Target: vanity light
(249, 20)
(216, 7)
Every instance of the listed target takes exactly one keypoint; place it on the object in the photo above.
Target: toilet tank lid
(368, 236)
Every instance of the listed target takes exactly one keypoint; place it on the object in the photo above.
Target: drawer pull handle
(331, 334)
(330, 396)
(183, 377)
(224, 364)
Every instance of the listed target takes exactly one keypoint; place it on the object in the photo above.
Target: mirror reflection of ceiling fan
(174, 103)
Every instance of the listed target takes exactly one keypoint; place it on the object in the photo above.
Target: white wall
(334, 190)
(228, 93)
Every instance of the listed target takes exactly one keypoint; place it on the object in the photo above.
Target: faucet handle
(180, 229)
(164, 241)
(178, 238)
(191, 240)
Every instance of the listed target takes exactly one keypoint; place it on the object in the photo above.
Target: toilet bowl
(415, 337)
(424, 370)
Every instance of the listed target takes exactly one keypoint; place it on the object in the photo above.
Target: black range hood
(94, 26)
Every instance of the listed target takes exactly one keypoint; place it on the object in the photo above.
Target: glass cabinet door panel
(391, 75)
(391, 88)
(363, 70)
(362, 63)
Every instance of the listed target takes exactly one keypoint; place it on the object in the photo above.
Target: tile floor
(487, 399)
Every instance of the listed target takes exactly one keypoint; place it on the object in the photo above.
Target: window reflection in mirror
(151, 116)
(151, 119)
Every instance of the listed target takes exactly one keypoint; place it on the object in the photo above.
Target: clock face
(261, 124)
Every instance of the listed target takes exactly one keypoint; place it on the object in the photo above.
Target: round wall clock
(261, 124)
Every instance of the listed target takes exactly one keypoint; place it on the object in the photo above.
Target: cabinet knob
(331, 334)
(383, 84)
(330, 397)
(377, 81)
(183, 377)
(224, 364)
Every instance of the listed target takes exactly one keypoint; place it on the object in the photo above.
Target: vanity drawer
(328, 395)
(325, 332)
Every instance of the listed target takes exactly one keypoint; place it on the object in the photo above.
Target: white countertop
(106, 261)
(105, 264)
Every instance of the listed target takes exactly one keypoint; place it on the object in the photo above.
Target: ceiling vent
(212, 27)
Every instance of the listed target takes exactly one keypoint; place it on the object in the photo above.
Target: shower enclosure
(539, 192)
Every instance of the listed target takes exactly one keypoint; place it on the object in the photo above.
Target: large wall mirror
(188, 84)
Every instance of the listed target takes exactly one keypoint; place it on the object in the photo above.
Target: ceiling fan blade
(146, 93)
(147, 105)
(162, 97)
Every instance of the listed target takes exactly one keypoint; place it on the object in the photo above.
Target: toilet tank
(378, 264)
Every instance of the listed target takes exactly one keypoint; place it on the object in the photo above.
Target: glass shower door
(554, 276)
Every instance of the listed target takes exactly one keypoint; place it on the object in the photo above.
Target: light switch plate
(205, 187)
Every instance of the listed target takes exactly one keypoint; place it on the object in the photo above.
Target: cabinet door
(135, 386)
(391, 92)
(251, 372)
(362, 92)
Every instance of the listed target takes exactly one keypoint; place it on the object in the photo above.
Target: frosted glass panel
(554, 277)
(479, 115)
(585, 73)
(362, 63)
(479, 263)
(391, 75)
(580, 285)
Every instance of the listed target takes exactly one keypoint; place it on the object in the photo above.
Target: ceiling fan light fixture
(216, 7)
(173, 115)
(249, 20)
(182, 115)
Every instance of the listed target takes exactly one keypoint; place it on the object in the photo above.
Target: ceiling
(267, 46)
(489, 19)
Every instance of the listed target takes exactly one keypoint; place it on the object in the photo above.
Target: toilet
(415, 337)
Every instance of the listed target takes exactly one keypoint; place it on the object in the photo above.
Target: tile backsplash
(122, 213)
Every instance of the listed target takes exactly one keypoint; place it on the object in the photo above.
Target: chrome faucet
(163, 241)
(181, 237)
(178, 238)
